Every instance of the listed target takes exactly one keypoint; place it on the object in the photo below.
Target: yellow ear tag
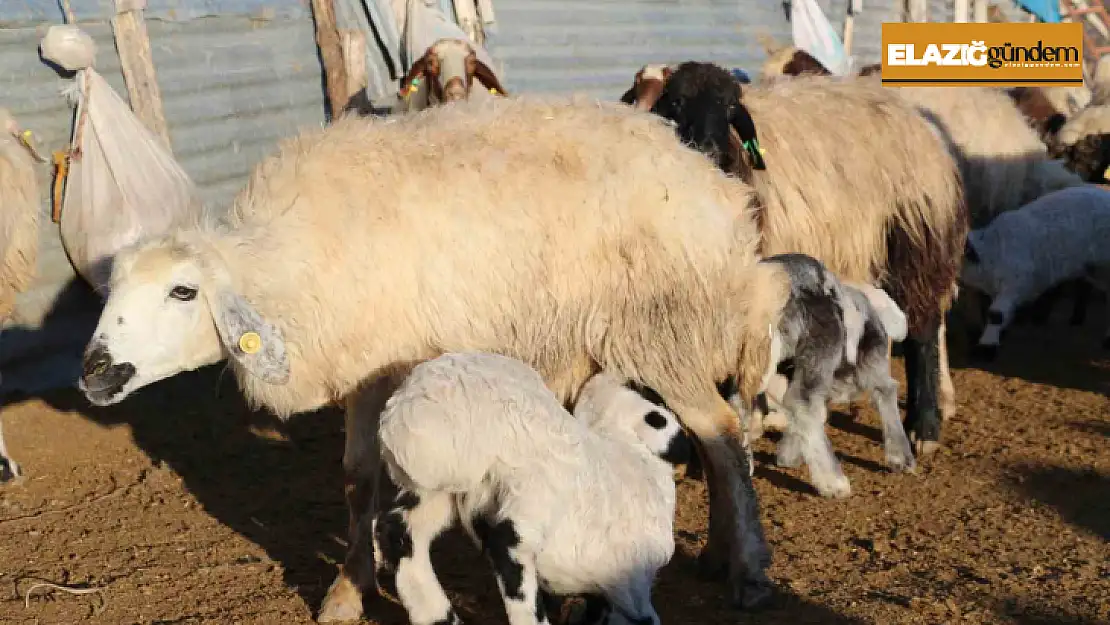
(250, 342)
(25, 137)
(1106, 173)
(493, 91)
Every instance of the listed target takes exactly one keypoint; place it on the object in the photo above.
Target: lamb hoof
(9, 470)
(836, 488)
(711, 566)
(984, 353)
(901, 462)
(775, 420)
(925, 449)
(947, 409)
(343, 602)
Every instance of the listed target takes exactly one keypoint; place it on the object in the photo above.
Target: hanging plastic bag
(122, 183)
(813, 33)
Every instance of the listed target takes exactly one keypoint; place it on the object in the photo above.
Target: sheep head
(449, 66)
(647, 86)
(23, 137)
(171, 308)
(633, 413)
(704, 101)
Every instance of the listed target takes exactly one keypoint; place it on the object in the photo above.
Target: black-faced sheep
(448, 70)
(1021, 254)
(559, 504)
(19, 230)
(601, 243)
(891, 210)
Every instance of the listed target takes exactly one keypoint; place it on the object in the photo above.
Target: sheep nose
(97, 361)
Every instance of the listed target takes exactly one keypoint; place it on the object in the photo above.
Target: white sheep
(1021, 254)
(601, 243)
(559, 504)
(19, 230)
(446, 73)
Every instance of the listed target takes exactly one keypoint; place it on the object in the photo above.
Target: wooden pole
(137, 63)
(854, 6)
(917, 10)
(962, 11)
(979, 11)
(354, 56)
(331, 53)
(467, 14)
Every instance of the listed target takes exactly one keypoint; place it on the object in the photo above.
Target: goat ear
(488, 79)
(744, 125)
(27, 139)
(416, 72)
(250, 340)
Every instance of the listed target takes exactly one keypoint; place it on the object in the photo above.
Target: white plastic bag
(123, 186)
(813, 33)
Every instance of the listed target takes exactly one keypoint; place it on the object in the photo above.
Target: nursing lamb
(559, 505)
(1021, 254)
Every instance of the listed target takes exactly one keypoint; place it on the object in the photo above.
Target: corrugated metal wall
(597, 47)
(232, 84)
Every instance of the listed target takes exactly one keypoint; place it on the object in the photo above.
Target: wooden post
(917, 10)
(354, 56)
(467, 14)
(979, 11)
(331, 52)
(854, 6)
(963, 12)
(137, 63)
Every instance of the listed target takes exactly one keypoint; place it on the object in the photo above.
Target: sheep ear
(250, 341)
(415, 74)
(486, 76)
(742, 121)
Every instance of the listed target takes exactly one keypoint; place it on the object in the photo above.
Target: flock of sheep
(525, 332)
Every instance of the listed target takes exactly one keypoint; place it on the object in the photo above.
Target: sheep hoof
(925, 449)
(711, 566)
(836, 488)
(947, 409)
(984, 353)
(753, 595)
(342, 603)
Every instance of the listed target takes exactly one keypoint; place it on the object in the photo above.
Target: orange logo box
(922, 54)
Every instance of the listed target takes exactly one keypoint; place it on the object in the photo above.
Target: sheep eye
(183, 293)
(655, 420)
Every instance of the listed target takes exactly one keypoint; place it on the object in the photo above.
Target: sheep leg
(805, 436)
(947, 389)
(631, 603)
(736, 544)
(1000, 314)
(362, 470)
(402, 542)
(9, 470)
(896, 446)
(515, 570)
(922, 361)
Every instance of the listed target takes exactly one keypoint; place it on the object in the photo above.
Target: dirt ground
(185, 507)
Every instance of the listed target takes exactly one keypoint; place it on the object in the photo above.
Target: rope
(74, 152)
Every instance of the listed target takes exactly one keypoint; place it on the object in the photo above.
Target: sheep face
(168, 312)
(704, 102)
(450, 66)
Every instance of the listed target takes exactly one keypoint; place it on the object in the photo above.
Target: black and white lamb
(832, 343)
(1023, 253)
(560, 505)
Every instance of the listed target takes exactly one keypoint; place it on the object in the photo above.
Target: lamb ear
(250, 341)
(486, 76)
(741, 120)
